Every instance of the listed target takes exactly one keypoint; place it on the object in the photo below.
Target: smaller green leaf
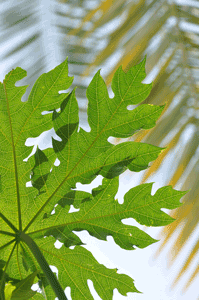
(22, 290)
(9, 288)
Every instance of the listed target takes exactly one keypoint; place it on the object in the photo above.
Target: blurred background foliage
(38, 35)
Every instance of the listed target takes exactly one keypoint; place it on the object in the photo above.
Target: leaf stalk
(44, 265)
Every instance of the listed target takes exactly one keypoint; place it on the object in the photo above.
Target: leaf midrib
(104, 216)
(14, 159)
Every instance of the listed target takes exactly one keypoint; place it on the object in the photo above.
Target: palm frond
(157, 28)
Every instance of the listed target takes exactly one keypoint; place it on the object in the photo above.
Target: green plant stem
(44, 266)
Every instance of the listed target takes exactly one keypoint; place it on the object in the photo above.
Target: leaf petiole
(44, 265)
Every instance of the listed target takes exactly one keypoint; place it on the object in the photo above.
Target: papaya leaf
(28, 228)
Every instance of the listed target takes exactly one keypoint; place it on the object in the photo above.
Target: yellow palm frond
(173, 54)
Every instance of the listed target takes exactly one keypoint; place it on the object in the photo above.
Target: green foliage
(25, 212)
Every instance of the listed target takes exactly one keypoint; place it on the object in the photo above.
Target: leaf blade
(85, 266)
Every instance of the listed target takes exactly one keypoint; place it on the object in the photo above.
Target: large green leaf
(25, 212)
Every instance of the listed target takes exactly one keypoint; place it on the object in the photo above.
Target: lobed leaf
(27, 211)
(101, 215)
(77, 265)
